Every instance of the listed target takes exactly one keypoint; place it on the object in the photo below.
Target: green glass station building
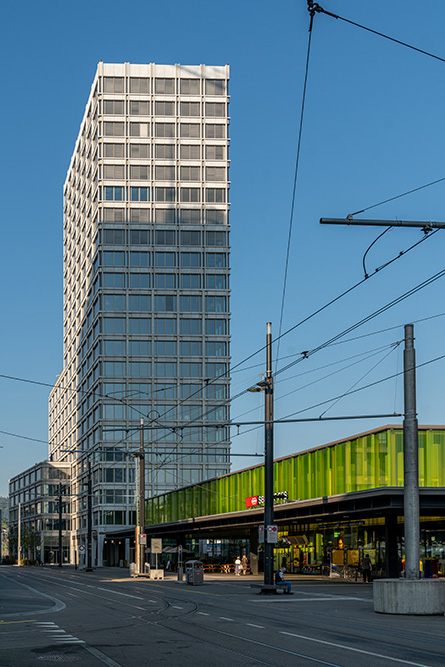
(333, 504)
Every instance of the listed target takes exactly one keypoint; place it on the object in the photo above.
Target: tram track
(175, 612)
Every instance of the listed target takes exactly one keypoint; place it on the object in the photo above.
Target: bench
(269, 589)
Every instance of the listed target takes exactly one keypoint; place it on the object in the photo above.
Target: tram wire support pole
(268, 461)
(89, 567)
(60, 525)
(410, 459)
(266, 385)
(19, 537)
(140, 523)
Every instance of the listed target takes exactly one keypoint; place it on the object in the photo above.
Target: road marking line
(252, 625)
(154, 601)
(277, 648)
(175, 606)
(203, 613)
(356, 650)
(101, 656)
(58, 606)
(330, 599)
(224, 618)
(108, 590)
(45, 623)
(49, 630)
(31, 620)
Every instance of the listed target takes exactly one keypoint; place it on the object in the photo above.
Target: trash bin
(430, 568)
(133, 570)
(194, 572)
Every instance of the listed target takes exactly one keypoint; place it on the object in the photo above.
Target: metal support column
(89, 567)
(60, 526)
(139, 546)
(268, 461)
(411, 459)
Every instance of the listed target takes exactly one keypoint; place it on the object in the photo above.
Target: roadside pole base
(418, 597)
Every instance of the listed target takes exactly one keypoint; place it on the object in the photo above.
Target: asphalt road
(106, 618)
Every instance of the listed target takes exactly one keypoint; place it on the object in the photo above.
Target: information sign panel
(156, 545)
(272, 534)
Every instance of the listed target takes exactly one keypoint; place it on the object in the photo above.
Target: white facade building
(34, 495)
(146, 290)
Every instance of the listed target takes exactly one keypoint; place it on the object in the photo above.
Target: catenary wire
(363, 377)
(320, 10)
(403, 194)
(366, 319)
(353, 391)
(372, 353)
(297, 163)
(135, 430)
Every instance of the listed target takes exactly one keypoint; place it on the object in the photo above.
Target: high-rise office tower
(146, 290)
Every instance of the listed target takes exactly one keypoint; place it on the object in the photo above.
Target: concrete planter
(422, 597)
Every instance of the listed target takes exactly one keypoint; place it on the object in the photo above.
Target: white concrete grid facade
(146, 289)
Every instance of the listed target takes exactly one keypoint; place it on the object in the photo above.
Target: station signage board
(257, 501)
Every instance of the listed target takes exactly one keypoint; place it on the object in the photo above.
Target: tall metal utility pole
(411, 459)
(60, 525)
(268, 461)
(140, 524)
(19, 536)
(89, 567)
(270, 534)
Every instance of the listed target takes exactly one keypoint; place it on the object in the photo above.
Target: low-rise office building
(34, 495)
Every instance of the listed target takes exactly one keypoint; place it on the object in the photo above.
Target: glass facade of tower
(146, 289)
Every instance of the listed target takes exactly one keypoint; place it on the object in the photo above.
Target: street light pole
(89, 567)
(60, 524)
(268, 461)
(140, 546)
(19, 536)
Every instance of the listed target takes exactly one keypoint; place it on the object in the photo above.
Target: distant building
(34, 495)
(146, 290)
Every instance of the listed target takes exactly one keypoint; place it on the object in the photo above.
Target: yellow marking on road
(31, 620)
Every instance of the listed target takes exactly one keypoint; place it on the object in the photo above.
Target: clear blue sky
(373, 128)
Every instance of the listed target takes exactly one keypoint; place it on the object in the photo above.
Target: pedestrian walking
(244, 563)
(237, 566)
(366, 569)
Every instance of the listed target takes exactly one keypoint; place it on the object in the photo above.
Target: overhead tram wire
(379, 331)
(297, 163)
(370, 353)
(349, 290)
(366, 386)
(319, 10)
(132, 431)
(261, 349)
(348, 393)
(403, 194)
(368, 318)
(380, 361)
(309, 317)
